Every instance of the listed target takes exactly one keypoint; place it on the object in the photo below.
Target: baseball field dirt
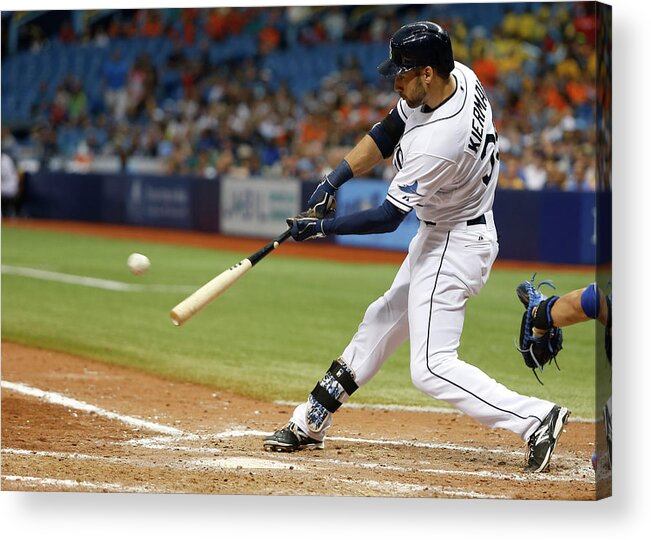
(74, 424)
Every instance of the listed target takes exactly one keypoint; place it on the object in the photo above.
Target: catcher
(541, 337)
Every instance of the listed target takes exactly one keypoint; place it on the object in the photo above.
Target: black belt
(481, 220)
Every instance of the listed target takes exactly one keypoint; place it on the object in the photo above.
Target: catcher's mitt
(539, 347)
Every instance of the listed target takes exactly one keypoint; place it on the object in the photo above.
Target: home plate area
(71, 424)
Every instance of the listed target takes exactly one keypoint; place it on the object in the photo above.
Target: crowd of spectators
(537, 65)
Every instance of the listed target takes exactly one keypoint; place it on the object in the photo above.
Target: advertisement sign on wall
(159, 202)
(257, 207)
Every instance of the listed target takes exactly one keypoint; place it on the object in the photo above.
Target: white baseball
(138, 263)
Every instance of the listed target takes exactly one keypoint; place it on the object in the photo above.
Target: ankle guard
(543, 316)
(327, 395)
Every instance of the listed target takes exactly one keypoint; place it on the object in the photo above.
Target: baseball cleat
(289, 439)
(544, 439)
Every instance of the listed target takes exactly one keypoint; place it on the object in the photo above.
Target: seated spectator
(510, 175)
(551, 94)
(556, 179)
(78, 102)
(153, 24)
(10, 186)
(115, 74)
(583, 177)
(135, 89)
(189, 24)
(269, 39)
(534, 171)
(216, 24)
(67, 33)
(486, 68)
(585, 22)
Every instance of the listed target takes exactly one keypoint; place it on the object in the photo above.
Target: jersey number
(495, 155)
(398, 158)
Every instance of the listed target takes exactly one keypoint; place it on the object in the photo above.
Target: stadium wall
(545, 226)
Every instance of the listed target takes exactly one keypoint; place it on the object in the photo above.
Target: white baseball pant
(426, 304)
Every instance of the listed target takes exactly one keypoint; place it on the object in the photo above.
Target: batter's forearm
(369, 152)
(364, 156)
(382, 219)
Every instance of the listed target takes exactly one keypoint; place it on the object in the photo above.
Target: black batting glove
(323, 200)
(305, 228)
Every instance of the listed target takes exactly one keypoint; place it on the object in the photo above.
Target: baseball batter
(446, 158)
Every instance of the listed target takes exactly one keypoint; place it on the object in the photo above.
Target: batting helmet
(418, 44)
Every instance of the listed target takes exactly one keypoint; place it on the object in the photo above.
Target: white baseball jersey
(447, 167)
(451, 173)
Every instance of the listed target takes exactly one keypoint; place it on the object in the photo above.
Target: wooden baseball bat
(216, 286)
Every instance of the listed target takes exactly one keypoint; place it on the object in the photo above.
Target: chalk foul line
(59, 399)
(95, 283)
(72, 484)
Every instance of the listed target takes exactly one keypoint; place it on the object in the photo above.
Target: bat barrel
(178, 317)
(206, 294)
(211, 290)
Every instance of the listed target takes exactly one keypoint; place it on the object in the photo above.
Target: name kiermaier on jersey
(480, 105)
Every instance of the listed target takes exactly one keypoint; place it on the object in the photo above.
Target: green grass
(271, 336)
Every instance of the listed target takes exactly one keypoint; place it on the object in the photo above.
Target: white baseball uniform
(447, 165)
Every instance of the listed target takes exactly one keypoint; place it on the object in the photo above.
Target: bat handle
(262, 253)
(281, 238)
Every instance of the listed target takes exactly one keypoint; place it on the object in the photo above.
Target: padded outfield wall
(543, 226)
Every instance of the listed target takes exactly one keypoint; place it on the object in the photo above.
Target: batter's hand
(304, 227)
(323, 200)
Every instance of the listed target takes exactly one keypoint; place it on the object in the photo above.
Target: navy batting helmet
(418, 44)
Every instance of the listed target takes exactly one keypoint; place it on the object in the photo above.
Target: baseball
(138, 263)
